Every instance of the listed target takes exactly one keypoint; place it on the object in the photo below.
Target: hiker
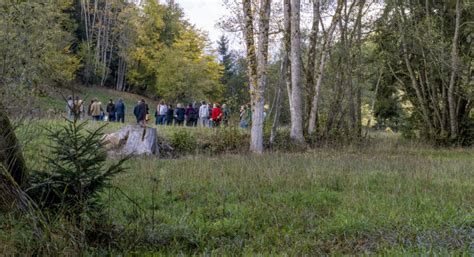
(209, 109)
(179, 114)
(78, 108)
(204, 114)
(70, 107)
(226, 115)
(120, 110)
(147, 109)
(140, 112)
(135, 111)
(169, 115)
(111, 110)
(216, 116)
(191, 116)
(96, 110)
(89, 109)
(245, 116)
(243, 122)
(160, 114)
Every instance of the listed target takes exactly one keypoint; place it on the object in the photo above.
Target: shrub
(76, 170)
(282, 142)
(229, 140)
(183, 142)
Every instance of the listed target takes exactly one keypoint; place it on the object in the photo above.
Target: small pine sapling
(77, 171)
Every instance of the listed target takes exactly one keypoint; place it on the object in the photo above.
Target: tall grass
(389, 197)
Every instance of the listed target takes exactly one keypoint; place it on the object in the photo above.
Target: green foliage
(183, 142)
(419, 102)
(195, 75)
(76, 170)
(228, 140)
(234, 75)
(166, 44)
(35, 47)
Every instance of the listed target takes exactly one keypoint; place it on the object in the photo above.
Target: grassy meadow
(387, 197)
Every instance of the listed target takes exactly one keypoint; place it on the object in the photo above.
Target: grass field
(390, 197)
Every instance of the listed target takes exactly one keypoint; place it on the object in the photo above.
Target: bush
(76, 170)
(282, 142)
(228, 140)
(183, 142)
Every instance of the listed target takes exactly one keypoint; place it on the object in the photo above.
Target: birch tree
(296, 100)
(257, 57)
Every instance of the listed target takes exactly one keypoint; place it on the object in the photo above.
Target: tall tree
(226, 59)
(296, 100)
(453, 112)
(257, 66)
(312, 123)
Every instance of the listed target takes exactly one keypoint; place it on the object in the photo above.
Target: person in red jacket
(216, 116)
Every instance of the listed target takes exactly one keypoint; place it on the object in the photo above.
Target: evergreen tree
(76, 170)
(226, 59)
(234, 76)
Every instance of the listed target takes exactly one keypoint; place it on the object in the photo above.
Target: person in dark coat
(179, 114)
(111, 110)
(135, 111)
(141, 113)
(191, 116)
(170, 115)
(120, 111)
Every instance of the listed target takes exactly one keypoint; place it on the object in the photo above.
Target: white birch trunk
(453, 119)
(257, 68)
(296, 132)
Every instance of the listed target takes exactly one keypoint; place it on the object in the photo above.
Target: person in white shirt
(70, 108)
(204, 114)
(161, 111)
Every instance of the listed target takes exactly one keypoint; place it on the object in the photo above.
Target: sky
(204, 14)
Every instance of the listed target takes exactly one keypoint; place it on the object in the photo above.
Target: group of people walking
(194, 114)
(114, 111)
(202, 114)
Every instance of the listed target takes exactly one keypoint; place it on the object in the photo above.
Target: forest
(359, 141)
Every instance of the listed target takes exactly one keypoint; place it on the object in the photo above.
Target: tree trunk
(297, 107)
(277, 107)
(414, 83)
(11, 156)
(313, 41)
(453, 115)
(372, 106)
(287, 47)
(322, 64)
(359, 71)
(257, 68)
(12, 198)
(13, 171)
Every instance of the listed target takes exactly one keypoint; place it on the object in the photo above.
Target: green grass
(54, 103)
(390, 197)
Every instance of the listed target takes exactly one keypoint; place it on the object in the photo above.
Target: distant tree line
(407, 65)
(148, 49)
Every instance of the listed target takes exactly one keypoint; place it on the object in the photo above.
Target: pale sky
(204, 14)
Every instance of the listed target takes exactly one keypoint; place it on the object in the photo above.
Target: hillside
(52, 104)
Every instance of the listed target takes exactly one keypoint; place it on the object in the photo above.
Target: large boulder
(132, 140)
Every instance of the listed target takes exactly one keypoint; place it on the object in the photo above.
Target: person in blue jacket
(120, 110)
